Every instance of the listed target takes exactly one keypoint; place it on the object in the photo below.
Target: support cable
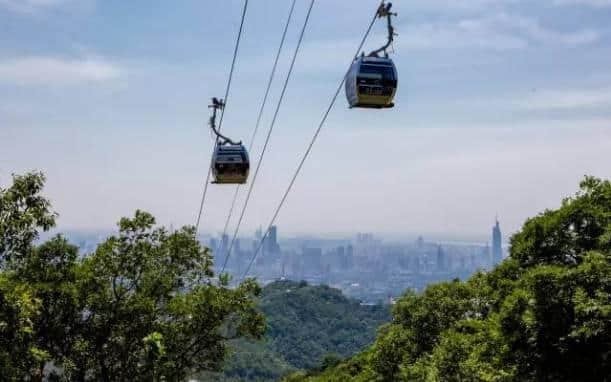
(233, 61)
(308, 150)
(261, 109)
(269, 133)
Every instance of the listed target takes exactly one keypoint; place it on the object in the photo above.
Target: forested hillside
(306, 326)
(543, 315)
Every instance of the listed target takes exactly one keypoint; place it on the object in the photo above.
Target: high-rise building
(271, 241)
(312, 259)
(420, 242)
(224, 242)
(350, 255)
(273, 234)
(497, 251)
(441, 260)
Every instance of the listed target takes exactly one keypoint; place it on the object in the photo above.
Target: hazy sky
(503, 106)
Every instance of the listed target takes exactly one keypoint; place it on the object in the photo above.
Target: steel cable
(233, 61)
(269, 133)
(307, 152)
(261, 109)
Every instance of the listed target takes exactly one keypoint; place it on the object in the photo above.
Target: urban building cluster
(363, 267)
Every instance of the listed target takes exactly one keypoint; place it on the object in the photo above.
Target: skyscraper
(350, 255)
(441, 261)
(497, 251)
(271, 241)
(273, 235)
(224, 243)
(420, 242)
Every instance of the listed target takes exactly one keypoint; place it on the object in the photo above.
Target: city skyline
(363, 265)
(449, 238)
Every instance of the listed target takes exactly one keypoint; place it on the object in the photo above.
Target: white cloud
(28, 6)
(56, 71)
(500, 31)
(578, 101)
(533, 30)
(588, 3)
(477, 5)
(567, 99)
(462, 34)
(464, 5)
(519, 31)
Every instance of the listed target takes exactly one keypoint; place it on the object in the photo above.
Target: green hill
(543, 315)
(304, 324)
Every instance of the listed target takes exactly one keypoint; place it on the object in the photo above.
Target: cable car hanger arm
(384, 11)
(219, 104)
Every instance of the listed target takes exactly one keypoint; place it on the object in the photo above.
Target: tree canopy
(306, 326)
(544, 314)
(144, 306)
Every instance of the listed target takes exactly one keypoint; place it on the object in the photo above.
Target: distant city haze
(364, 266)
(502, 108)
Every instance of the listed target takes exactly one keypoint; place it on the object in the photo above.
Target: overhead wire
(308, 150)
(228, 87)
(269, 133)
(262, 108)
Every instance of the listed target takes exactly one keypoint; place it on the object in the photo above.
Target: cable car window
(377, 72)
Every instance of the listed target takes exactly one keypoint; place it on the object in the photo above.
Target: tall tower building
(497, 251)
(441, 261)
(224, 244)
(350, 255)
(273, 235)
(271, 241)
(420, 242)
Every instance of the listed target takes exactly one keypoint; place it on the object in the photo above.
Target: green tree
(23, 212)
(144, 306)
(307, 326)
(565, 235)
(148, 281)
(18, 354)
(544, 314)
(51, 270)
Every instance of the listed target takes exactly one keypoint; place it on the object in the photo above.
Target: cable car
(230, 164)
(371, 82)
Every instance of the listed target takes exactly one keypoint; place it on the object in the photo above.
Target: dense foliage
(543, 315)
(306, 326)
(141, 307)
